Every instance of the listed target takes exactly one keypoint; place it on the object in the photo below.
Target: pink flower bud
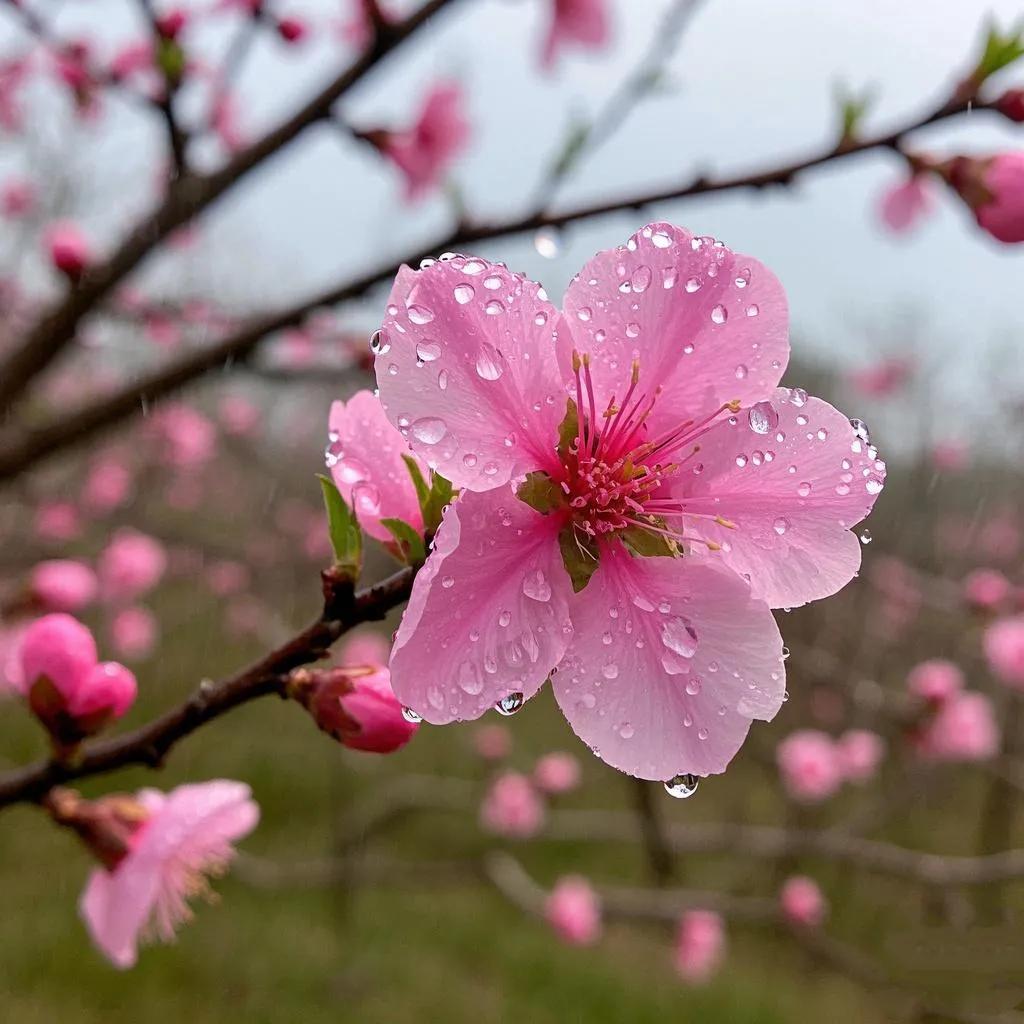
(69, 250)
(904, 205)
(63, 585)
(1011, 105)
(963, 729)
(935, 681)
(986, 589)
(809, 765)
(512, 807)
(802, 902)
(700, 946)
(573, 910)
(950, 456)
(994, 189)
(130, 565)
(107, 485)
(291, 29)
(171, 24)
(1004, 649)
(556, 773)
(134, 633)
(57, 521)
(492, 742)
(17, 197)
(860, 752)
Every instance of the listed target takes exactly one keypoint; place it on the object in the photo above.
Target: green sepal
(170, 58)
(1000, 51)
(410, 543)
(852, 108)
(649, 544)
(540, 492)
(568, 429)
(579, 556)
(432, 497)
(343, 528)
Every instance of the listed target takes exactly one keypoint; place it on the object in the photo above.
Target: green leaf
(170, 58)
(568, 429)
(579, 556)
(539, 491)
(441, 493)
(649, 544)
(422, 489)
(410, 543)
(852, 108)
(346, 538)
(1000, 51)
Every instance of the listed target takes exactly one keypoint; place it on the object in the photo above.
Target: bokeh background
(365, 894)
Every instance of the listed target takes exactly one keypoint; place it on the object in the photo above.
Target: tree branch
(22, 451)
(150, 744)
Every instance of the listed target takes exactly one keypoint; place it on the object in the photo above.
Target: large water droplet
(428, 351)
(420, 314)
(679, 636)
(719, 314)
(682, 786)
(490, 363)
(509, 704)
(762, 418)
(464, 293)
(536, 586)
(429, 429)
(410, 716)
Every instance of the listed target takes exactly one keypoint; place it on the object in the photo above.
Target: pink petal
(626, 685)
(488, 614)
(116, 905)
(365, 458)
(708, 325)
(467, 372)
(793, 500)
(905, 204)
(198, 816)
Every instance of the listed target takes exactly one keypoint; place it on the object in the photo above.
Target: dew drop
(490, 364)
(410, 716)
(762, 418)
(780, 526)
(536, 586)
(679, 636)
(682, 786)
(719, 314)
(509, 704)
(420, 314)
(464, 293)
(428, 351)
(429, 429)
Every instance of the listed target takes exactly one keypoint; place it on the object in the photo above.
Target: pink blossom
(860, 752)
(68, 689)
(556, 773)
(226, 576)
(132, 58)
(134, 633)
(700, 945)
(986, 588)
(906, 204)
(802, 902)
(582, 23)
(492, 742)
(107, 486)
(364, 454)
(573, 910)
(11, 679)
(185, 438)
(183, 837)
(935, 680)
(57, 521)
(162, 330)
(130, 565)
(424, 152)
(225, 121)
(13, 75)
(882, 379)
(679, 446)
(962, 729)
(512, 807)
(809, 765)
(63, 585)
(357, 29)
(68, 248)
(365, 647)
(239, 416)
(1001, 213)
(17, 197)
(950, 456)
(291, 29)
(1004, 649)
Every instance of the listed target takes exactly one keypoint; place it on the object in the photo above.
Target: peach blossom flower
(573, 910)
(582, 23)
(906, 204)
(492, 742)
(935, 680)
(63, 585)
(134, 633)
(962, 729)
(556, 773)
(802, 902)
(809, 765)
(512, 807)
(987, 588)
(700, 946)
(1004, 649)
(860, 752)
(130, 565)
(68, 248)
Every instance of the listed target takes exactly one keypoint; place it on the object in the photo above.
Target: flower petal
(670, 661)
(467, 372)
(708, 325)
(364, 454)
(488, 615)
(794, 476)
(116, 905)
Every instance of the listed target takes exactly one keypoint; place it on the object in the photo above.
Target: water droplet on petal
(719, 314)
(428, 351)
(429, 429)
(762, 418)
(420, 314)
(679, 636)
(464, 293)
(682, 786)
(781, 526)
(490, 363)
(410, 716)
(536, 586)
(509, 704)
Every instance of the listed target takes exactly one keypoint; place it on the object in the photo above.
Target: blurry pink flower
(860, 752)
(424, 152)
(962, 729)
(987, 589)
(512, 807)
(904, 205)
(57, 521)
(185, 437)
(11, 679)
(357, 29)
(161, 330)
(1001, 213)
(364, 454)
(130, 565)
(1004, 649)
(1000, 534)
(700, 945)
(227, 577)
(582, 23)
(295, 349)
(809, 765)
(291, 29)
(68, 249)
(107, 486)
(935, 680)
(556, 773)
(68, 689)
(884, 378)
(365, 647)
(172, 23)
(13, 75)
(357, 707)
(573, 910)
(225, 121)
(134, 633)
(674, 449)
(492, 742)
(63, 585)
(132, 58)
(17, 197)
(950, 456)
(239, 416)
(802, 902)
(182, 837)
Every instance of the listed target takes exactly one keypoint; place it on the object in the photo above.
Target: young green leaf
(346, 537)
(410, 543)
(579, 556)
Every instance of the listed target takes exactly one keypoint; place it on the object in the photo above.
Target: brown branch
(150, 743)
(20, 452)
(652, 831)
(186, 198)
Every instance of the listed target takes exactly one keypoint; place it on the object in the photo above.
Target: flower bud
(574, 911)
(1004, 649)
(68, 249)
(1011, 105)
(291, 30)
(63, 585)
(993, 187)
(512, 807)
(106, 826)
(802, 902)
(556, 773)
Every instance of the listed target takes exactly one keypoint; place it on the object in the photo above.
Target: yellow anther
(712, 546)
(635, 373)
(733, 405)
(728, 524)
(576, 362)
